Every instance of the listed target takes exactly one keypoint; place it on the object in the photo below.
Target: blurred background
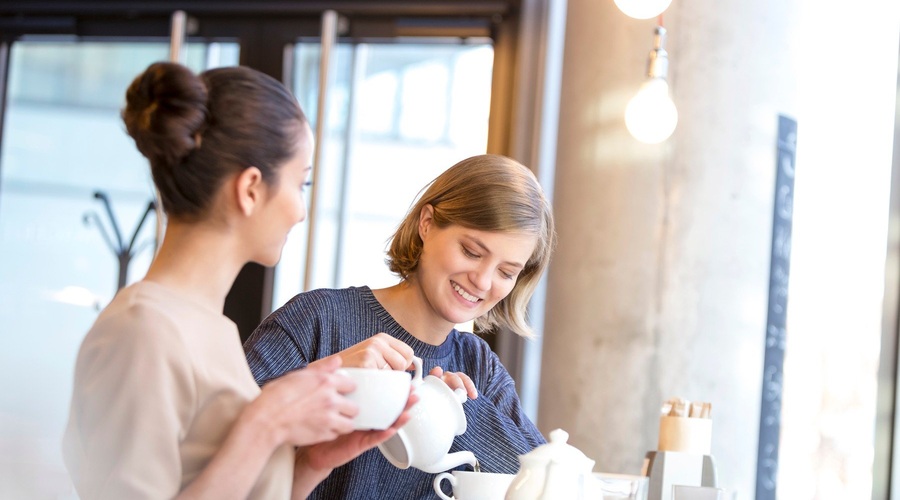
(662, 283)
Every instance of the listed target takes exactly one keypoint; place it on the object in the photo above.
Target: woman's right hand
(307, 406)
(379, 351)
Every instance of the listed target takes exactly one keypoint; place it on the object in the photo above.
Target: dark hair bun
(165, 113)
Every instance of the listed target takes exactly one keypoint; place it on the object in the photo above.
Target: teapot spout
(450, 461)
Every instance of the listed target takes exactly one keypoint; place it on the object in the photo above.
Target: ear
(426, 220)
(250, 189)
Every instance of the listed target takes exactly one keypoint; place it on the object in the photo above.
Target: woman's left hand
(456, 380)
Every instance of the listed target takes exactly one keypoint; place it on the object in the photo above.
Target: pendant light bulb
(650, 115)
(643, 9)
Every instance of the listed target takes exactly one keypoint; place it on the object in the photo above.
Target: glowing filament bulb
(651, 115)
(643, 9)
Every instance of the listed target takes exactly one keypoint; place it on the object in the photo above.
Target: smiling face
(463, 273)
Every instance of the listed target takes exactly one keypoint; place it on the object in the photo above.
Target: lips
(464, 294)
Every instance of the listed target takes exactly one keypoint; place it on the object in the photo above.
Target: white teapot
(437, 418)
(554, 471)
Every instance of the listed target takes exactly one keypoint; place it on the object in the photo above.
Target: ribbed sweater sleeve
(319, 323)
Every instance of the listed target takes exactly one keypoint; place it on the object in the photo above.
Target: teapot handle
(417, 376)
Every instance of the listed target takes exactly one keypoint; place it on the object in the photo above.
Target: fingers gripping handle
(417, 376)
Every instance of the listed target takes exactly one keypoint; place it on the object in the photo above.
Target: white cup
(468, 485)
(380, 394)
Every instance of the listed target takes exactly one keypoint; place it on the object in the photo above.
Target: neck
(198, 260)
(409, 307)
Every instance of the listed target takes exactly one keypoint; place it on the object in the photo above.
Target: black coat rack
(124, 253)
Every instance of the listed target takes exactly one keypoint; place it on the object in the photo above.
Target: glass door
(397, 116)
(73, 193)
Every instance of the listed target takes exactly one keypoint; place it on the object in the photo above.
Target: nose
(301, 213)
(481, 278)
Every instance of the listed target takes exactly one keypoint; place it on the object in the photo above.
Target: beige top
(159, 381)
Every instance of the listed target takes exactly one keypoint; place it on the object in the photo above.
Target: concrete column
(659, 285)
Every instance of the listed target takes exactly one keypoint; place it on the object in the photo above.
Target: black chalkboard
(779, 272)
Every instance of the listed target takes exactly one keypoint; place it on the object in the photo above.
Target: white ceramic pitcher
(437, 418)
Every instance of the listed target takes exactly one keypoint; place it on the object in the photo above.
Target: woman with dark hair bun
(164, 404)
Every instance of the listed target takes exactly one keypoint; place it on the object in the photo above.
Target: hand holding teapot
(436, 419)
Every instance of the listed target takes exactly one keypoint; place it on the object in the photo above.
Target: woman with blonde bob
(473, 247)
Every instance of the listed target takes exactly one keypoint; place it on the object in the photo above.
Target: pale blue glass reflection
(64, 140)
(398, 115)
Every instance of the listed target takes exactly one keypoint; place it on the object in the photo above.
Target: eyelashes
(472, 255)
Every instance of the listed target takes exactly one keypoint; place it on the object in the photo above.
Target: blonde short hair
(486, 193)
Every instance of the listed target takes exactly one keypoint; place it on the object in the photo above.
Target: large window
(398, 115)
(63, 143)
(833, 342)
(74, 190)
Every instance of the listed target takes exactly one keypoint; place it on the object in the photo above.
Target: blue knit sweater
(319, 323)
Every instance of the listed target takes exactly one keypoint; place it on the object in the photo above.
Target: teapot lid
(557, 450)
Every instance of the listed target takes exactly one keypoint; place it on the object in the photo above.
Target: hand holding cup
(380, 395)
